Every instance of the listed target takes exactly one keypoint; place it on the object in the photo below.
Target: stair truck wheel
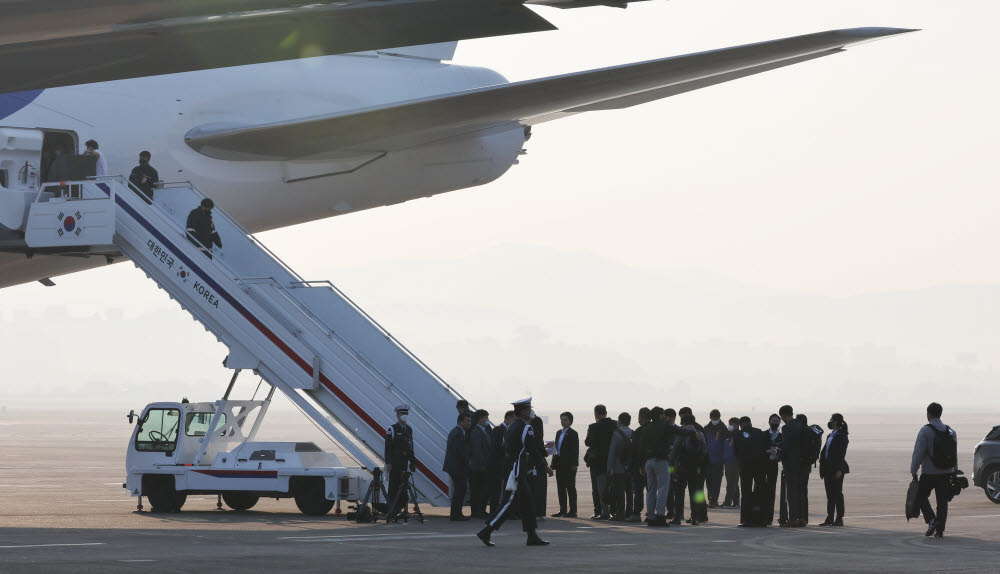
(240, 501)
(309, 493)
(162, 493)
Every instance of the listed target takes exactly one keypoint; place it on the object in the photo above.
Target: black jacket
(751, 447)
(143, 177)
(456, 458)
(201, 227)
(599, 442)
(833, 456)
(522, 448)
(399, 445)
(657, 439)
(539, 431)
(480, 448)
(569, 455)
(791, 443)
(496, 460)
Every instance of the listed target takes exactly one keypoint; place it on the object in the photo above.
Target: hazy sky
(868, 171)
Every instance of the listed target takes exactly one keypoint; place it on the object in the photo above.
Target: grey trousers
(657, 486)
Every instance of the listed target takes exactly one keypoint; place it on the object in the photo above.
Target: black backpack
(812, 443)
(693, 450)
(944, 449)
(625, 457)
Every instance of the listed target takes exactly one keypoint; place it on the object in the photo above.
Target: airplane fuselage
(156, 113)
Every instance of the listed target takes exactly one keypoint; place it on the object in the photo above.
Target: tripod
(410, 490)
(376, 492)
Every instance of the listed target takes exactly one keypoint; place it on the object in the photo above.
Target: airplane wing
(52, 43)
(416, 122)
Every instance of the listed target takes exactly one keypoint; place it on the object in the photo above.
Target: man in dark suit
(833, 467)
(480, 453)
(771, 480)
(541, 485)
(456, 464)
(565, 462)
(751, 446)
(791, 464)
(598, 442)
(497, 478)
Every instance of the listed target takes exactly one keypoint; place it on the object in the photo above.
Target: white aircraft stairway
(306, 338)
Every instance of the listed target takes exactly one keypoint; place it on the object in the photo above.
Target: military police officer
(523, 454)
(399, 457)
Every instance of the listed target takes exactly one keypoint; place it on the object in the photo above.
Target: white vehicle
(172, 455)
(304, 338)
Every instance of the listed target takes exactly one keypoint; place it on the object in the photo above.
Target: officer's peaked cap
(522, 403)
(403, 409)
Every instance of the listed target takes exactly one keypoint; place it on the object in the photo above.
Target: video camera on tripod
(380, 503)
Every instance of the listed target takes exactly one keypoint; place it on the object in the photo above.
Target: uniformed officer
(399, 456)
(523, 454)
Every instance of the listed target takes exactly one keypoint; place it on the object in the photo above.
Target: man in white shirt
(102, 164)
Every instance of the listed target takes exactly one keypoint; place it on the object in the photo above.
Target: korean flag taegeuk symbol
(69, 224)
(183, 274)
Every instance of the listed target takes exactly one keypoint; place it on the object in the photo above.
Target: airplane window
(197, 423)
(3, 178)
(158, 431)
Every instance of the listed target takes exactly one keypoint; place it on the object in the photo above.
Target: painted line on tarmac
(51, 545)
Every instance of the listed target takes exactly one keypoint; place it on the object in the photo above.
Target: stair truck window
(158, 430)
(197, 423)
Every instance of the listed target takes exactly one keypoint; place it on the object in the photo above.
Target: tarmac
(62, 509)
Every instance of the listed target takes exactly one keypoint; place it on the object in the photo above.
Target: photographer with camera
(399, 457)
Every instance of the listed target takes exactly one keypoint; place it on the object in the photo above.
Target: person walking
(201, 229)
(936, 455)
(522, 454)
(565, 462)
(144, 177)
(832, 468)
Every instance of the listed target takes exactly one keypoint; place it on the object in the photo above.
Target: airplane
(287, 113)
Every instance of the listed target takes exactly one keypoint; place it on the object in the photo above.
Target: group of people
(656, 467)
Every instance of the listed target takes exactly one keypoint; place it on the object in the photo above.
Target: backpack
(812, 443)
(944, 449)
(694, 449)
(625, 457)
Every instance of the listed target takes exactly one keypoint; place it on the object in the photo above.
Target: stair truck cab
(185, 448)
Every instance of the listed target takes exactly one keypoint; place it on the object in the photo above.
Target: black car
(986, 465)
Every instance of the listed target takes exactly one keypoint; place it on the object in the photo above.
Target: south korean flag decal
(183, 274)
(70, 224)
